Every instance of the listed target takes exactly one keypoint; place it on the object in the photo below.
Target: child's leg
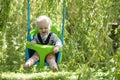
(31, 60)
(51, 61)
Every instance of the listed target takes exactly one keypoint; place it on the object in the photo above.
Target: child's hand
(33, 42)
(56, 49)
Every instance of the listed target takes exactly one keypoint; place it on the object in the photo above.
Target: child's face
(43, 28)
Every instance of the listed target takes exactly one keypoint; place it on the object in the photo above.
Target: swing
(44, 50)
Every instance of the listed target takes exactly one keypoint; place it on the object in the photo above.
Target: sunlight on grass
(42, 75)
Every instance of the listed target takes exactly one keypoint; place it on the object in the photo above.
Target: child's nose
(43, 30)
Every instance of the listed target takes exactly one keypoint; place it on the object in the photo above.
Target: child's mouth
(43, 32)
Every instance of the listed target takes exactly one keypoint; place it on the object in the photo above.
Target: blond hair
(45, 19)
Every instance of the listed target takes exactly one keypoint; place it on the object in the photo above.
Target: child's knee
(50, 60)
(49, 56)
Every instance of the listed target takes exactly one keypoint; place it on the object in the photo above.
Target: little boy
(44, 25)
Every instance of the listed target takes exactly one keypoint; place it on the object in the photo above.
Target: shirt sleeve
(57, 40)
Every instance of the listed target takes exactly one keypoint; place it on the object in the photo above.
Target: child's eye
(40, 28)
(46, 27)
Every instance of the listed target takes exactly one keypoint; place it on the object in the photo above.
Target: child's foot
(26, 66)
(54, 68)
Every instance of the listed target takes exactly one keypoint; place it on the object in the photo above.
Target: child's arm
(58, 44)
(56, 49)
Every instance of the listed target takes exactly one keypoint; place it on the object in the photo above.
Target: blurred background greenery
(88, 52)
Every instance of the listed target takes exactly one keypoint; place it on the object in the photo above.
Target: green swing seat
(43, 50)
